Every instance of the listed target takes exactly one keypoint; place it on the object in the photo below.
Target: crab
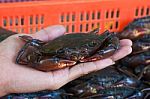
(136, 29)
(109, 83)
(67, 50)
(141, 45)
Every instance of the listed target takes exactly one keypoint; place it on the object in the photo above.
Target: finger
(50, 33)
(125, 42)
(86, 68)
(122, 52)
(60, 77)
(66, 75)
(46, 34)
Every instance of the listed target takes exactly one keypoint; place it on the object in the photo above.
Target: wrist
(4, 79)
(3, 87)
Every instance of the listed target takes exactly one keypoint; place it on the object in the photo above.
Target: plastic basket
(29, 16)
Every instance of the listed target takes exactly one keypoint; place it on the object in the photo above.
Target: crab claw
(53, 64)
(109, 49)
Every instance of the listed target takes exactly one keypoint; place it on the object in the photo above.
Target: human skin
(16, 78)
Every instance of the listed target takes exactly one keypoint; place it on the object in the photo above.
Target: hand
(15, 78)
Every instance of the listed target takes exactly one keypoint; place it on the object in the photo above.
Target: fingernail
(113, 63)
(110, 61)
(104, 63)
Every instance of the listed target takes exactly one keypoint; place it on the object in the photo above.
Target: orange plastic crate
(29, 16)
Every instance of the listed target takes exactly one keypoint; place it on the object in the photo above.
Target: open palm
(19, 79)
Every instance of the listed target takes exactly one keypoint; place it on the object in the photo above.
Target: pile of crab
(129, 78)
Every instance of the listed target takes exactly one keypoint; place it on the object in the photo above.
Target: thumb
(49, 33)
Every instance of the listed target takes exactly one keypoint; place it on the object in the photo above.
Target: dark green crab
(67, 50)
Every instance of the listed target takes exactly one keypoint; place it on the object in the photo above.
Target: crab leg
(106, 51)
(53, 64)
(29, 42)
(21, 54)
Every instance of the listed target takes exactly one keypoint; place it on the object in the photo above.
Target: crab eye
(92, 44)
